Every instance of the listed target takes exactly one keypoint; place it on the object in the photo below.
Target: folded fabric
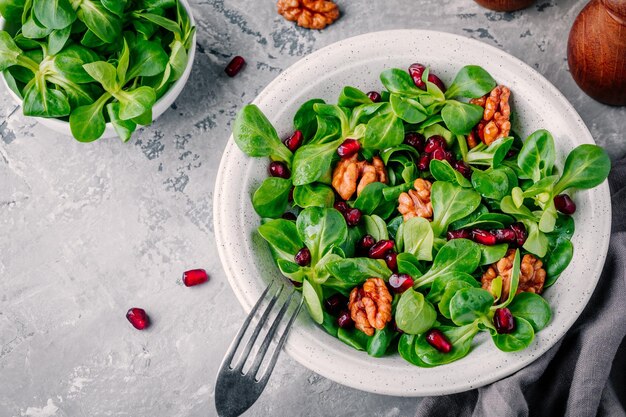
(584, 374)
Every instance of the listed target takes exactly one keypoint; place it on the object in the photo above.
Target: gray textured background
(89, 230)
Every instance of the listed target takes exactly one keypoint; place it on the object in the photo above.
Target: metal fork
(236, 391)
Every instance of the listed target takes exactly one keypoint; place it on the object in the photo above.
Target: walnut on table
(531, 279)
(495, 123)
(370, 306)
(351, 175)
(310, 14)
(416, 203)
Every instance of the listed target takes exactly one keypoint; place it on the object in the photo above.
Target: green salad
(90, 62)
(415, 217)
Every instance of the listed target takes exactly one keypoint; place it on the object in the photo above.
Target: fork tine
(279, 346)
(257, 330)
(269, 336)
(235, 344)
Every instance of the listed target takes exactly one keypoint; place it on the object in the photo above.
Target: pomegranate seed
(442, 155)
(341, 206)
(484, 236)
(435, 142)
(438, 340)
(345, 320)
(380, 249)
(138, 318)
(415, 71)
(279, 169)
(234, 66)
(366, 242)
(290, 196)
(195, 277)
(303, 257)
(564, 204)
(511, 153)
(391, 259)
(374, 96)
(504, 235)
(503, 320)
(336, 303)
(296, 283)
(424, 162)
(520, 233)
(348, 148)
(459, 234)
(437, 81)
(399, 283)
(289, 216)
(463, 168)
(415, 140)
(294, 141)
(353, 217)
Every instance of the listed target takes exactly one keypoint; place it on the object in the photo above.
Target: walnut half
(531, 279)
(370, 306)
(495, 123)
(352, 175)
(416, 203)
(310, 14)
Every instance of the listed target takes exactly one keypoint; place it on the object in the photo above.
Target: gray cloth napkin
(584, 374)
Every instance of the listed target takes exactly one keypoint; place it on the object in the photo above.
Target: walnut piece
(531, 279)
(495, 123)
(416, 203)
(348, 171)
(370, 306)
(310, 14)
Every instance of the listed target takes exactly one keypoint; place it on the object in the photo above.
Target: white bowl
(159, 107)
(358, 61)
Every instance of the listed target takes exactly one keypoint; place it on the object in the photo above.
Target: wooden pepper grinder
(505, 5)
(596, 51)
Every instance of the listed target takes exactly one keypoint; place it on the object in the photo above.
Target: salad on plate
(415, 217)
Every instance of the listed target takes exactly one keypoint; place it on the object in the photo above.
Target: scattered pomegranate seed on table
(195, 277)
(138, 318)
(438, 340)
(234, 66)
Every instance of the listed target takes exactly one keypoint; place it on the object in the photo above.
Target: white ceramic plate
(357, 62)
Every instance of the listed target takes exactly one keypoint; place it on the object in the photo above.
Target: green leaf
(350, 272)
(320, 229)
(54, 14)
(312, 162)
(115, 6)
(256, 136)
(520, 338)
(492, 254)
(587, 166)
(443, 171)
(557, 261)
(305, 119)
(450, 203)
(471, 81)
(378, 344)
(383, 131)
(407, 109)
(123, 128)
(537, 156)
(163, 22)
(352, 97)
(492, 155)
(457, 255)
(492, 184)
(11, 10)
(449, 292)
(418, 238)
(537, 242)
(399, 82)
(57, 40)
(104, 24)
(69, 63)
(376, 227)
(532, 308)
(123, 63)
(9, 52)
(313, 195)
(147, 59)
(460, 118)
(135, 102)
(104, 73)
(282, 236)
(414, 315)
(460, 338)
(272, 196)
(313, 299)
(87, 122)
(43, 101)
(469, 305)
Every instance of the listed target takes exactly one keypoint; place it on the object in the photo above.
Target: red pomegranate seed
(459, 234)
(503, 320)
(303, 257)
(341, 206)
(345, 320)
(415, 140)
(415, 71)
(353, 217)
(511, 153)
(296, 283)
(391, 259)
(438, 340)
(294, 141)
(520, 233)
(424, 162)
(504, 235)
(380, 249)
(399, 283)
(195, 277)
(336, 303)
(138, 318)
(484, 236)
(564, 204)
(374, 96)
(366, 242)
(290, 196)
(463, 168)
(437, 81)
(435, 142)
(279, 169)
(234, 66)
(442, 155)
(348, 148)
(289, 216)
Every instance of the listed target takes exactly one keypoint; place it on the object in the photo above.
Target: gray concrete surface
(89, 230)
